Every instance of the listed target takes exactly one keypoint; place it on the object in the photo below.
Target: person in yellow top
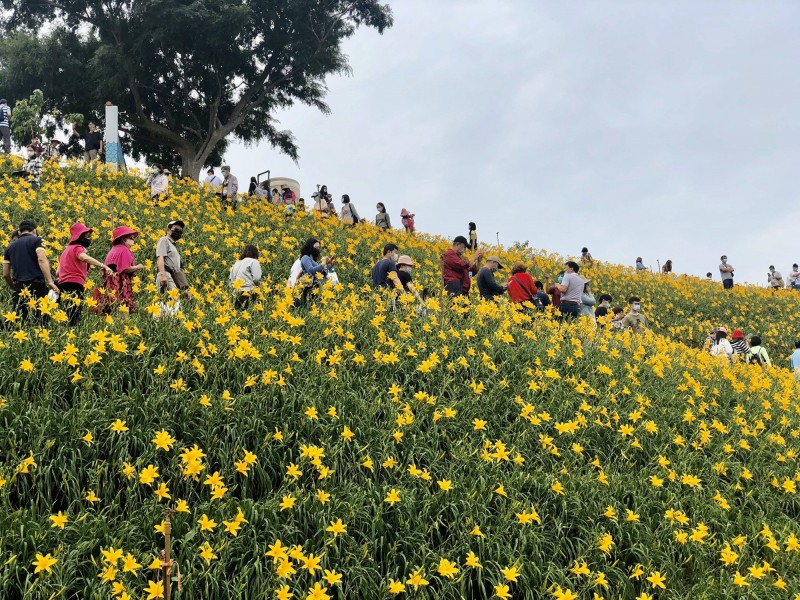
(473, 237)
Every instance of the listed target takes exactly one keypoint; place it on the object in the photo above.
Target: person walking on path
(774, 278)
(349, 214)
(635, 320)
(229, 193)
(116, 289)
(92, 141)
(168, 259)
(382, 219)
(245, 275)
(487, 284)
(5, 125)
(571, 288)
(456, 270)
(26, 268)
(73, 270)
(726, 272)
(758, 354)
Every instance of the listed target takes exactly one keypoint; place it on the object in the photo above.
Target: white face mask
(637, 307)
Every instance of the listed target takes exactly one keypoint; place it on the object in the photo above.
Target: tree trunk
(191, 165)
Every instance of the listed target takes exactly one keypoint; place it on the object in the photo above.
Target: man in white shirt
(212, 181)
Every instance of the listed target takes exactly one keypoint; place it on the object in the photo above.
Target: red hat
(77, 230)
(121, 232)
(737, 334)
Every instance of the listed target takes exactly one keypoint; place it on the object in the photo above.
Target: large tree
(186, 73)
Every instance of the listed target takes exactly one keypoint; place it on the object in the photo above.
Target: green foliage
(180, 96)
(27, 118)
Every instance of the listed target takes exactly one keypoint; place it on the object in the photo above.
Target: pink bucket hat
(121, 232)
(77, 230)
(404, 213)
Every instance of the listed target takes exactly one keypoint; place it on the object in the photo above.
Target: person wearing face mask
(487, 284)
(116, 290)
(230, 188)
(726, 272)
(168, 259)
(635, 320)
(604, 305)
(384, 273)
(349, 213)
(73, 270)
(774, 278)
(158, 183)
(33, 168)
(382, 219)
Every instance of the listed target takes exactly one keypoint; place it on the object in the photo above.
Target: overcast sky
(660, 129)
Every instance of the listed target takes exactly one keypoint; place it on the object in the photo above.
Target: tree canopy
(186, 74)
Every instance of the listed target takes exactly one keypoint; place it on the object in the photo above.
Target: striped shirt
(740, 347)
(5, 112)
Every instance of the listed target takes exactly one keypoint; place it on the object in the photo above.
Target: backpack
(755, 358)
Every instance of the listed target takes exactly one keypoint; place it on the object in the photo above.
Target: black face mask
(176, 235)
(315, 253)
(85, 242)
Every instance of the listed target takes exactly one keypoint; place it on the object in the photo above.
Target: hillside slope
(353, 452)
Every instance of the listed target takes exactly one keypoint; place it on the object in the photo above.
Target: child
(408, 220)
(473, 237)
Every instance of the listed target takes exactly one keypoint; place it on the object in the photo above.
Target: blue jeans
(727, 283)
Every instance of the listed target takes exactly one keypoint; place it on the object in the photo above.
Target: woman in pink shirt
(73, 270)
(117, 289)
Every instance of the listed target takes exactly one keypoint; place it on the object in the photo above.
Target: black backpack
(755, 358)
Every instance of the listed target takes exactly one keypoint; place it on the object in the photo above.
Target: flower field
(349, 451)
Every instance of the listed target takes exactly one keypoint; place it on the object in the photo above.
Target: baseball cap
(497, 260)
(460, 239)
(176, 222)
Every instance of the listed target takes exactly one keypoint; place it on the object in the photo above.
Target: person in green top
(758, 354)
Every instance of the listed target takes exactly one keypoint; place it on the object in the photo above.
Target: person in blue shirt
(794, 361)
(314, 266)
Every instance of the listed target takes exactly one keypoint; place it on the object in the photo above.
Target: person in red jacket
(456, 270)
(521, 286)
